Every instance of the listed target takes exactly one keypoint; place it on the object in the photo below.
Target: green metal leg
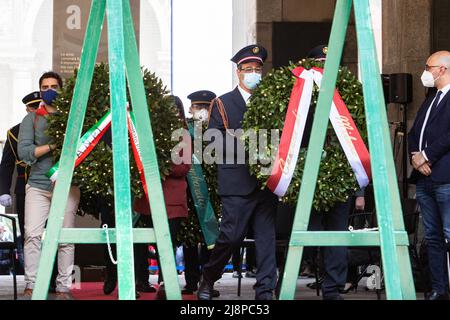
(149, 159)
(387, 198)
(121, 159)
(67, 162)
(304, 203)
(392, 236)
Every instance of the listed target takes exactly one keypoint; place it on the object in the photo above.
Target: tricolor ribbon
(136, 149)
(87, 143)
(294, 128)
(91, 138)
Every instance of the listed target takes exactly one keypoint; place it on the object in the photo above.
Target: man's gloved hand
(5, 200)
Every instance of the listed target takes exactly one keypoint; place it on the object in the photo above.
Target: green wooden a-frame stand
(123, 64)
(391, 237)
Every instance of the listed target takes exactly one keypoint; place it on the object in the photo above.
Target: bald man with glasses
(429, 149)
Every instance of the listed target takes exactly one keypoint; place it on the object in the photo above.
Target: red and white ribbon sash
(87, 143)
(136, 149)
(294, 127)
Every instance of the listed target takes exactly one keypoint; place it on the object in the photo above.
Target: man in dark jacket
(429, 149)
(244, 203)
(10, 160)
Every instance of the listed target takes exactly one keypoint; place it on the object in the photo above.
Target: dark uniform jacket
(10, 160)
(233, 179)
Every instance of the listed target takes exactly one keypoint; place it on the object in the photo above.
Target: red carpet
(94, 291)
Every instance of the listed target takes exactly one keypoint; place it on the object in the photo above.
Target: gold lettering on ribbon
(345, 123)
(196, 183)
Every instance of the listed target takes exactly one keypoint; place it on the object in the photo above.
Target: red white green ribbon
(90, 139)
(136, 149)
(294, 127)
(87, 143)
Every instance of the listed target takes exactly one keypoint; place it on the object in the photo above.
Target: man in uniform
(200, 101)
(244, 203)
(10, 160)
(193, 260)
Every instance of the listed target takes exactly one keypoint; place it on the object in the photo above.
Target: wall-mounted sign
(70, 19)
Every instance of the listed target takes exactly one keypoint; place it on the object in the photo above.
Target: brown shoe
(28, 292)
(64, 296)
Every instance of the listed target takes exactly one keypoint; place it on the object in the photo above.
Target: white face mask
(251, 80)
(200, 115)
(428, 79)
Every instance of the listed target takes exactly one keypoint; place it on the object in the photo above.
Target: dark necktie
(428, 115)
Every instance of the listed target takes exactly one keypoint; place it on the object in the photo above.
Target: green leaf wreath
(267, 110)
(94, 175)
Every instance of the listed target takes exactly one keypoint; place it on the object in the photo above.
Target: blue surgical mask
(49, 96)
(251, 80)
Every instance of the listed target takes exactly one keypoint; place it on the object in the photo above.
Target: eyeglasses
(427, 67)
(250, 69)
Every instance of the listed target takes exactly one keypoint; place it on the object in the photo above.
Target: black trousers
(239, 212)
(334, 258)
(250, 255)
(195, 257)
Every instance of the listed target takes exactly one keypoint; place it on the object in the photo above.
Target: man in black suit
(244, 203)
(429, 149)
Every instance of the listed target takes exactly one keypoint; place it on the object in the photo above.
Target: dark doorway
(440, 20)
(293, 40)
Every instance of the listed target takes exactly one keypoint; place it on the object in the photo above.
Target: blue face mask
(49, 96)
(251, 80)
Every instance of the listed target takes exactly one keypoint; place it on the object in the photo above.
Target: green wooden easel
(124, 65)
(391, 238)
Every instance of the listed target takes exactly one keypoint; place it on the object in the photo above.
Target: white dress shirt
(246, 95)
(444, 91)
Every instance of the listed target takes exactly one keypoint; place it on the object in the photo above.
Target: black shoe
(313, 285)
(145, 287)
(436, 296)
(250, 274)
(109, 284)
(205, 291)
(215, 293)
(351, 287)
(161, 293)
(187, 291)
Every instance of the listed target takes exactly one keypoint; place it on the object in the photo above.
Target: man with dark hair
(36, 149)
(244, 203)
(50, 75)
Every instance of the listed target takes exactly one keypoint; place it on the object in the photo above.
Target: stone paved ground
(228, 289)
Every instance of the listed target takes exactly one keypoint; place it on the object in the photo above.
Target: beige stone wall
(406, 45)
